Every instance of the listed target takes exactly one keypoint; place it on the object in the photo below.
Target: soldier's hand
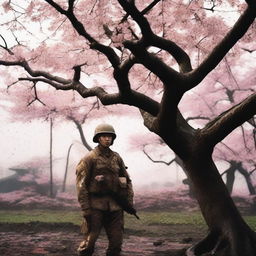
(88, 220)
(86, 226)
(87, 216)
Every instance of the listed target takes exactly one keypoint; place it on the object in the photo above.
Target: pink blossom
(27, 177)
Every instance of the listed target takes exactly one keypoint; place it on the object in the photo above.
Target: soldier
(101, 180)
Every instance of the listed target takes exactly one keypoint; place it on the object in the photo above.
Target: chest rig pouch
(105, 175)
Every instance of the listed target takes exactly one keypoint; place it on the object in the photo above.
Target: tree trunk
(66, 169)
(230, 172)
(229, 235)
(248, 180)
(51, 175)
(230, 180)
(81, 133)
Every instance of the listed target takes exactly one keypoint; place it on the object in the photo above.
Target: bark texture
(229, 235)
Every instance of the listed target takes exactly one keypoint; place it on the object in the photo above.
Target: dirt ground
(63, 239)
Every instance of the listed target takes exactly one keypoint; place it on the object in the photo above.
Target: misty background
(25, 142)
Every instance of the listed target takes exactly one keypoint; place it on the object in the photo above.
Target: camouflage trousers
(113, 223)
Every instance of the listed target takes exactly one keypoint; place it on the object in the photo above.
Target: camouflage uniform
(98, 207)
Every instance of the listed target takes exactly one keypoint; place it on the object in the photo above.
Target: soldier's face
(105, 140)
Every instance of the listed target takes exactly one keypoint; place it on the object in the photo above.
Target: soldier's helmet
(104, 129)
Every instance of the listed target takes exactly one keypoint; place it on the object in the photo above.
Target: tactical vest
(110, 169)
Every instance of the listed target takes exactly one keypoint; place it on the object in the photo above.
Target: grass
(146, 218)
(150, 223)
(167, 224)
(251, 221)
(48, 216)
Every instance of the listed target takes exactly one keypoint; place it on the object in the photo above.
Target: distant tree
(228, 90)
(20, 110)
(46, 106)
(231, 158)
(174, 160)
(33, 172)
(29, 188)
(51, 172)
(66, 169)
(230, 173)
(142, 54)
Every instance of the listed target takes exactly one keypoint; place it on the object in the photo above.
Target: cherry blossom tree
(152, 55)
(30, 188)
(47, 106)
(230, 173)
(239, 156)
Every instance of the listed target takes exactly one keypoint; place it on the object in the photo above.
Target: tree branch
(157, 161)
(216, 130)
(108, 52)
(5, 47)
(35, 73)
(250, 2)
(197, 118)
(79, 27)
(252, 171)
(228, 148)
(77, 73)
(132, 98)
(150, 121)
(231, 168)
(36, 96)
(151, 39)
(132, 10)
(81, 133)
(125, 96)
(129, 96)
(166, 74)
(56, 85)
(177, 52)
(71, 5)
(56, 6)
(144, 11)
(219, 52)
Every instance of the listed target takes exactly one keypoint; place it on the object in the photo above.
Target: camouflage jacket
(93, 194)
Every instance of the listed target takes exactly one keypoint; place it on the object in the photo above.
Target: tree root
(210, 244)
(215, 243)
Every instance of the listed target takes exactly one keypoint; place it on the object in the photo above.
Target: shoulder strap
(93, 154)
(122, 169)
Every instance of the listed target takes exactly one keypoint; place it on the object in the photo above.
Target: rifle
(124, 204)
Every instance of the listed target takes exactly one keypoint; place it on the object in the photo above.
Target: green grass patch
(171, 218)
(146, 218)
(251, 221)
(165, 223)
(150, 223)
(48, 216)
